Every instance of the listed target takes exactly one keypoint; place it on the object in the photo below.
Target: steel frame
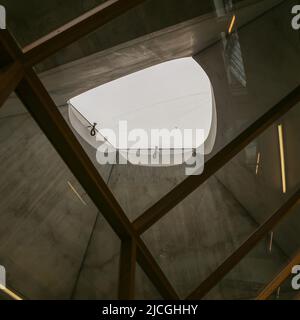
(17, 74)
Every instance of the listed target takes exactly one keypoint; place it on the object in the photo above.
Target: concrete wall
(53, 243)
(33, 19)
(270, 49)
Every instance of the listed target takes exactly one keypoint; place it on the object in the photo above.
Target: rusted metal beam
(10, 76)
(127, 270)
(42, 108)
(190, 184)
(245, 248)
(76, 29)
(279, 279)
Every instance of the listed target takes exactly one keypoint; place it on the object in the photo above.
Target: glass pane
(48, 229)
(243, 81)
(144, 289)
(99, 274)
(197, 235)
(285, 291)
(34, 19)
(251, 69)
(218, 217)
(263, 264)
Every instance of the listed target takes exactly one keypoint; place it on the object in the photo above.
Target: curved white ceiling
(174, 94)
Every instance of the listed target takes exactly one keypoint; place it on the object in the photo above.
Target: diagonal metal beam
(40, 105)
(76, 29)
(9, 49)
(279, 279)
(11, 69)
(42, 108)
(245, 248)
(190, 184)
(9, 78)
(127, 270)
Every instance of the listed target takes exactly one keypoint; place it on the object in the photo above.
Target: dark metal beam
(9, 49)
(11, 69)
(245, 248)
(40, 105)
(9, 78)
(76, 29)
(154, 273)
(42, 108)
(279, 279)
(190, 184)
(127, 270)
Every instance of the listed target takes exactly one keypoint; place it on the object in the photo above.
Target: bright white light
(174, 95)
(282, 157)
(2, 276)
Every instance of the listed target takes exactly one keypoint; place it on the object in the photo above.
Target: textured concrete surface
(32, 20)
(44, 226)
(184, 39)
(53, 243)
(273, 70)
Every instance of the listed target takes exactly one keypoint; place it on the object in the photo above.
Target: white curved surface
(174, 94)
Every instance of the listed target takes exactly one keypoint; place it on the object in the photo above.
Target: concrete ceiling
(29, 20)
(55, 245)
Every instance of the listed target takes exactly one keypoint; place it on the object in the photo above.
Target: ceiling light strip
(257, 163)
(271, 241)
(232, 24)
(282, 158)
(10, 293)
(76, 193)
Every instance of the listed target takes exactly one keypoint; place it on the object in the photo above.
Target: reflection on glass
(47, 220)
(234, 59)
